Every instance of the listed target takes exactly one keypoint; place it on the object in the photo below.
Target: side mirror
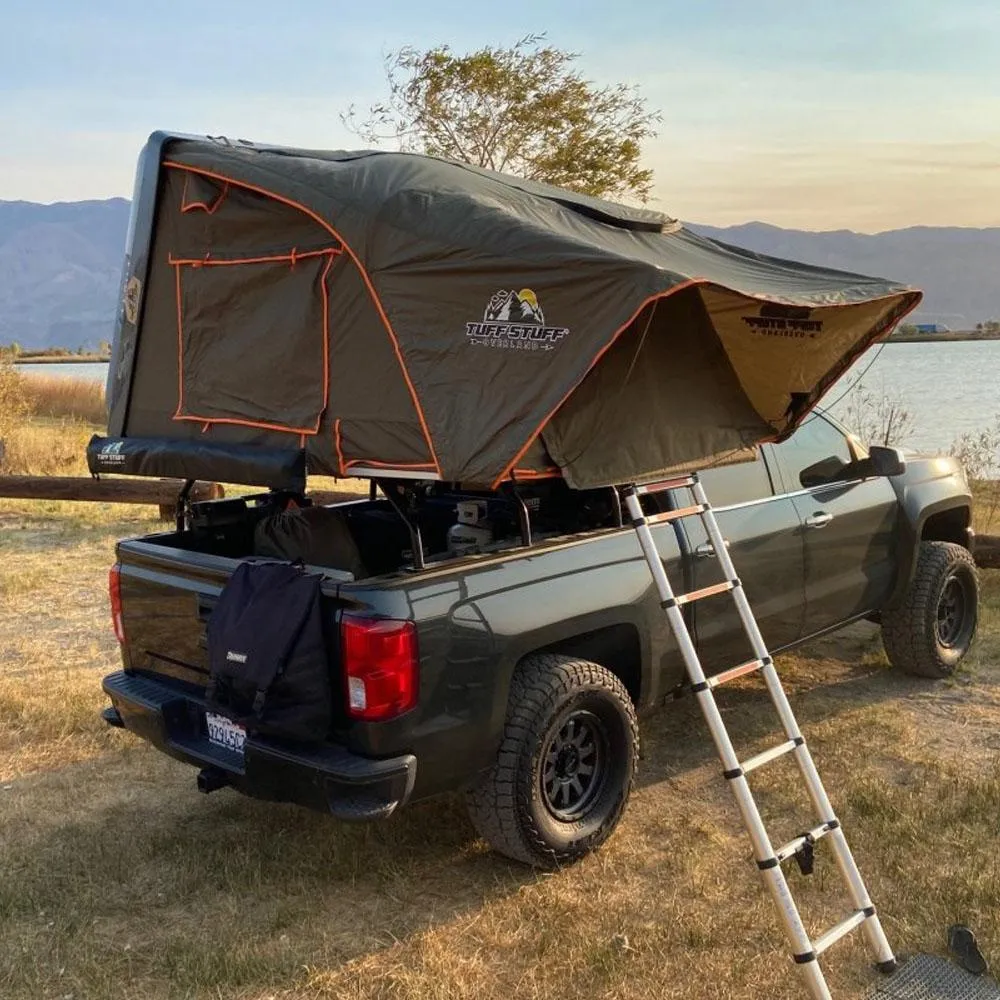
(886, 461)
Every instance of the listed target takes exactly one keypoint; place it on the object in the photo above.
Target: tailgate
(168, 594)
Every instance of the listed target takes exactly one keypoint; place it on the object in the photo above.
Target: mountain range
(60, 267)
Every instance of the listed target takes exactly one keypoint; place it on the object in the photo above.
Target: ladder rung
(835, 933)
(730, 675)
(681, 482)
(674, 515)
(697, 595)
(752, 763)
(794, 846)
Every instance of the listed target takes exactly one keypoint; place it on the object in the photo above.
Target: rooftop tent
(394, 312)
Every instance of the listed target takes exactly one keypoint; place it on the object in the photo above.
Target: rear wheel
(565, 766)
(933, 628)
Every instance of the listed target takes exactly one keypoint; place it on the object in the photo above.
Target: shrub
(13, 402)
(77, 399)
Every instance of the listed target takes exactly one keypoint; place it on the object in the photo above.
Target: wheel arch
(617, 648)
(947, 520)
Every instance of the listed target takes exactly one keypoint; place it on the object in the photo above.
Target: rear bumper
(327, 778)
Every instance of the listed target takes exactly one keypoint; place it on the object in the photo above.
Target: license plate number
(224, 732)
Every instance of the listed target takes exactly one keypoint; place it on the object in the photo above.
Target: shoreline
(940, 338)
(63, 359)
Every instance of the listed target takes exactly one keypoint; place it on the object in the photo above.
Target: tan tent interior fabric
(805, 345)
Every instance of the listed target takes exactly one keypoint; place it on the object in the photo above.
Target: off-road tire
(512, 807)
(911, 631)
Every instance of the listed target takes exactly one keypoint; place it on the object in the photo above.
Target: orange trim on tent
(391, 465)
(209, 261)
(336, 441)
(551, 473)
(190, 206)
(173, 164)
(344, 466)
(178, 263)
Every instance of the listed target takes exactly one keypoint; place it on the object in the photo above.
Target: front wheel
(933, 628)
(565, 766)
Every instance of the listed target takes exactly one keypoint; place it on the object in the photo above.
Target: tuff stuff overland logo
(515, 321)
(785, 321)
(111, 454)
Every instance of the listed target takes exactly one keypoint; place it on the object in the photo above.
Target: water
(949, 388)
(96, 371)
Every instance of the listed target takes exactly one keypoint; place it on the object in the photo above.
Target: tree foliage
(522, 110)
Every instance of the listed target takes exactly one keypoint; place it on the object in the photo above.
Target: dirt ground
(119, 880)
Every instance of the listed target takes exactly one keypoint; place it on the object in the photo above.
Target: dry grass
(117, 879)
(45, 423)
(986, 511)
(76, 399)
(47, 447)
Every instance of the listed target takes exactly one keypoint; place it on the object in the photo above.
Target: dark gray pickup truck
(508, 657)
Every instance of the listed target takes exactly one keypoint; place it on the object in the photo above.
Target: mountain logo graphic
(515, 321)
(518, 306)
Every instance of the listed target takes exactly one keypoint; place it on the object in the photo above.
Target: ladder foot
(887, 968)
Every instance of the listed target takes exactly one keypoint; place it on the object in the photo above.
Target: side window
(729, 484)
(816, 454)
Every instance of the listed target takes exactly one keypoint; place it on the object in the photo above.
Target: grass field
(119, 880)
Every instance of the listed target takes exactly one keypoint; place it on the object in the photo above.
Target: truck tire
(566, 763)
(931, 630)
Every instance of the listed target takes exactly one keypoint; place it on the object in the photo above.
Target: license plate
(224, 732)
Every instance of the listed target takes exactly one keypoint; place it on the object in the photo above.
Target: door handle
(819, 520)
(706, 550)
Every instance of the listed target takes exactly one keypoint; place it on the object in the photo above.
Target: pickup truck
(513, 671)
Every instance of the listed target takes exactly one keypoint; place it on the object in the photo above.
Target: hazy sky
(817, 114)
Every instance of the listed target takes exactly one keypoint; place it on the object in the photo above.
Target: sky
(813, 114)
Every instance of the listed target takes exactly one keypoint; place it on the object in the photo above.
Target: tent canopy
(395, 312)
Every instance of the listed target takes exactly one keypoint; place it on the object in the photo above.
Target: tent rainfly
(393, 314)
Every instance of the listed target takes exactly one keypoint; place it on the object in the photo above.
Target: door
(848, 524)
(765, 543)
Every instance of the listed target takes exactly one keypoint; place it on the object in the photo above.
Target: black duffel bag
(267, 653)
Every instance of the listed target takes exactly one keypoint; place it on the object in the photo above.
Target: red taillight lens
(115, 593)
(380, 667)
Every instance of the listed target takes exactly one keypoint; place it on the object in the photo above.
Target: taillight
(115, 593)
(379, 659)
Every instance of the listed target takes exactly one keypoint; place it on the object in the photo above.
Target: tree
(523, 110)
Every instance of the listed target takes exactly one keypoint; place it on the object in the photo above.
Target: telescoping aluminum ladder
(805, 951)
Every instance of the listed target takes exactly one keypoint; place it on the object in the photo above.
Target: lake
(949, 388)
(92, 371)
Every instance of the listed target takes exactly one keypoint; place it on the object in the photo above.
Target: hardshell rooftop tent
(394, 314)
